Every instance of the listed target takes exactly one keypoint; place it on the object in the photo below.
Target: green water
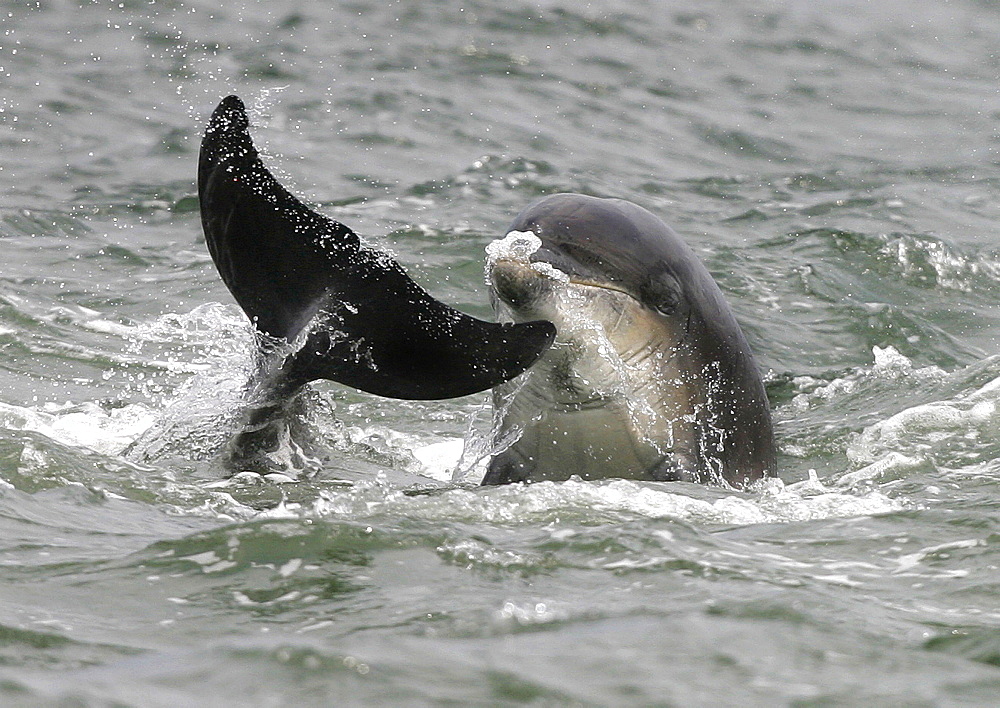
(836, 165)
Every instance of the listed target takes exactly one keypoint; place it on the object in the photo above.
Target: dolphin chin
(649, 376)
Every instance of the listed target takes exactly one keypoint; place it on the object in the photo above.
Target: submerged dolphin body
(351, 311)
(650, 375)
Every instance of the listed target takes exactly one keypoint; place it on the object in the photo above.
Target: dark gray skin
(650, 376)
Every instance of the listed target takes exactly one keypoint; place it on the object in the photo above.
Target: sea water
(834, 164)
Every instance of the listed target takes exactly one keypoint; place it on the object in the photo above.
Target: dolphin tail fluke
(300, 275)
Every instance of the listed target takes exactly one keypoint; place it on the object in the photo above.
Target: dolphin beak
(518, 284)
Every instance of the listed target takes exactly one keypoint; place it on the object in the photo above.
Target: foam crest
(610, 501)
(969, 420)
(929, 259)
(909, 563)
(107, 431)
(889, 364)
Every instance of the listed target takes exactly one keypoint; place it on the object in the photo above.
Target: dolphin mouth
(522, 283)
(603, 285)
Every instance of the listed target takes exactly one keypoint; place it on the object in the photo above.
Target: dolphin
(326, 306)
(650, 375)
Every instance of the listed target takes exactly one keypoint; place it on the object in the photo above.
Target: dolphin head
(641, 328)
(595, 269)
(585, 241)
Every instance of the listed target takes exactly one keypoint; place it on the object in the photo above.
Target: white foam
(889, 363)
(439, 459)
(81, 425)
(907, 564)
(914, 432)
(515, 246)
(548, 501)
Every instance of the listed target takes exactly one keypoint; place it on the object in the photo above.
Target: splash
(889, 365)
(106, 430)
(517, 247)
(611, 501)
(966, 425)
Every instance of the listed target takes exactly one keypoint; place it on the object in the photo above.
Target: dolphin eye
(666, 307)
(662, 292)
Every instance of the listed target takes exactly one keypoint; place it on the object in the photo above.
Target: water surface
(835, 165)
